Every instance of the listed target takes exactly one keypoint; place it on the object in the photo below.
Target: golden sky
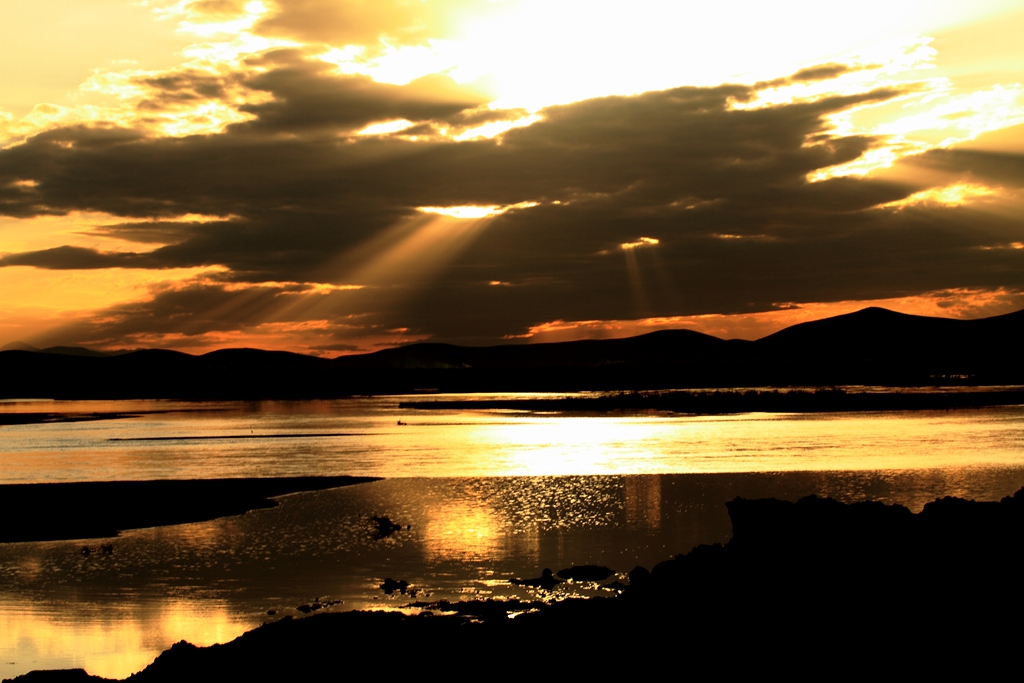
(329, 176)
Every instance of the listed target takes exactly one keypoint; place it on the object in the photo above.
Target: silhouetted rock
(638, 576)
(481, 609)
(615, 586)
(57, 676)
(953, 559)
(390, 586)
(385, 527)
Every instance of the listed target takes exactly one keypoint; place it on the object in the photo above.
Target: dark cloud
(308, 97)
(195, 310)
(1000, 168)
(185, 86)
(72, 258)
(163, 232)
(819, 72)
(723, 189)
(469, 118)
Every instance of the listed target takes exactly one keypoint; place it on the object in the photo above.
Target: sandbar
(100, 509)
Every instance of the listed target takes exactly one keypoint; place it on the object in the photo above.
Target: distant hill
(872, 346)
(63, 350)
(878, 346)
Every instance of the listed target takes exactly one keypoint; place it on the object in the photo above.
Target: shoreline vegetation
(799, 586)
(102, 509)
(727, 402)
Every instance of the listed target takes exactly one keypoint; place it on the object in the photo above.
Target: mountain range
(873, 346)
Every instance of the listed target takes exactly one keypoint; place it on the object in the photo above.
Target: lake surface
(488, 496)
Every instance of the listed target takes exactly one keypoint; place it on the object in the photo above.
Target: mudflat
(98, 509)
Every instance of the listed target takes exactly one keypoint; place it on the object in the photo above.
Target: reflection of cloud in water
(112, 647)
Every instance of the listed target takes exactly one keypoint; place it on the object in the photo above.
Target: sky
(341, 176)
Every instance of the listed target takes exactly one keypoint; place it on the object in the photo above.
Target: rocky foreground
(814, 587)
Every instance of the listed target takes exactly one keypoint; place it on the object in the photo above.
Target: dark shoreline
(100, 509)
(813, 586)
(728, 402)
(52, 418)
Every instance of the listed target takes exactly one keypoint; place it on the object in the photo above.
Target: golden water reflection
(459, 532)
(125, 640)
(364, 437)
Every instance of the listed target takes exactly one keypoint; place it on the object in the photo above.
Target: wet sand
(101, 509)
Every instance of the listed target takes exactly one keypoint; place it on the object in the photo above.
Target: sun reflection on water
(360, 437)
(460, 532)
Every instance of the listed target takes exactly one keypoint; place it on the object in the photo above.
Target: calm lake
(487, 496)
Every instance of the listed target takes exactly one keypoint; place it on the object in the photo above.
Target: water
(488, 495)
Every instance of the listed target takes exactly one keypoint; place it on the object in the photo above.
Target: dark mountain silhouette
(655, 347)
(64, 350)
(878, 346)
(872, 346)
(18, 346)
(81, 351)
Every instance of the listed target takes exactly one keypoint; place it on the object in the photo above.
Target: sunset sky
(330, 176)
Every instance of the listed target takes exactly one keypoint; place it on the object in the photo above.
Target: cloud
(363, 22)
(820, 72)
(216, 10)
(1001, 168)
(306, 200)
(71, 258)
(308, 96)
(204, 314)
